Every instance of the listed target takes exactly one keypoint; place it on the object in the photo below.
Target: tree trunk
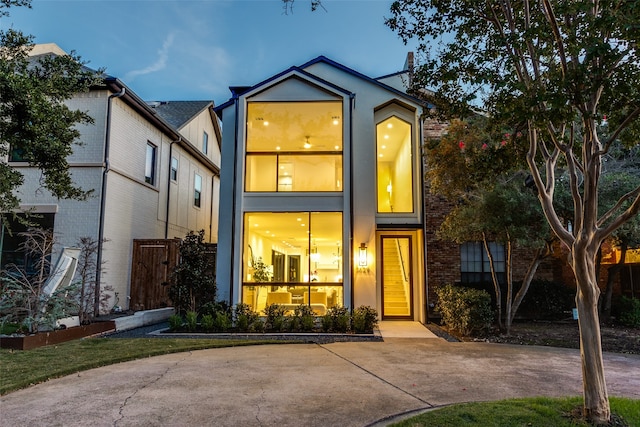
(596, 400)
(528, 278)
(494, 278)
(508, 315)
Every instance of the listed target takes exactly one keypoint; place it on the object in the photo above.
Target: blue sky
(195, 50)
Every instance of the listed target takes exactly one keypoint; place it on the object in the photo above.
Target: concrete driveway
(338, 384)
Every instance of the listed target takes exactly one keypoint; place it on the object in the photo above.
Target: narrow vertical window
(150, 164)
(197, 190)
(205, 142)
(174, 169)
(394, 166)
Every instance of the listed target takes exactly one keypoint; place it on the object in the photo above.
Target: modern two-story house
(321, 193)
(154, 169)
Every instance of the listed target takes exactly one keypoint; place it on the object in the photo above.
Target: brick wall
(443, 258)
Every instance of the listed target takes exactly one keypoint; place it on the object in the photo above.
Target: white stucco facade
(365, 103)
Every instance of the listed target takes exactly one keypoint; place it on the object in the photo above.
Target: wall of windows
(293, 258)
(294, 146)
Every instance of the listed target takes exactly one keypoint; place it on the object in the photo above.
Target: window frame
(276, 182)
(411, 172)
(205, 142)
(150, 163)
(483, 275)
(197, 190)
(173, 171)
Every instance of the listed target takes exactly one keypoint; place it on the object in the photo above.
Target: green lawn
(540, 411)
(20, 369)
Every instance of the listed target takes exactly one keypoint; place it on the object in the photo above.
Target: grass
(539, 411)
(20, 369)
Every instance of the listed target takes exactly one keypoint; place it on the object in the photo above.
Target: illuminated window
(294, 146)
(394, 166)
(293, 258)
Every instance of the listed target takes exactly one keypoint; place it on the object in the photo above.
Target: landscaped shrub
(547, 300)
(207, 323)
(175, 322)
(212, 308)
(337, 319)
(465, 310)
(222, 321)
(275, 317)
(629, 312)
(246, 320)
(191, 321)
(192, 281)
(365, 318)
(302, 319)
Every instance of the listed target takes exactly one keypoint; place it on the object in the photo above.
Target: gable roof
(237, 91)
(178, 113)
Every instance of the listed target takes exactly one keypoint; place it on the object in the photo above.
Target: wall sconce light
(362, 256)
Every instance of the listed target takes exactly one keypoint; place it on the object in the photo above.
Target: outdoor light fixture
(362, 256)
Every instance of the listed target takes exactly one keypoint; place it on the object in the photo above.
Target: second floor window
(197, 191)
(394, 166)
(205, 142)
(174, 169)
(150, 164)
(294, 146)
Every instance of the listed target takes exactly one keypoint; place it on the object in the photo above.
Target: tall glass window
(394, 166)
(294, 146)
(293, 258)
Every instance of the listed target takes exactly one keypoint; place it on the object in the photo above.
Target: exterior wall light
(362, 256)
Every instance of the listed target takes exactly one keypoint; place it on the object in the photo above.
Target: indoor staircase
(395, 295)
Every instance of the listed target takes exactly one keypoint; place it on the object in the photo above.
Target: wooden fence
(152, 264)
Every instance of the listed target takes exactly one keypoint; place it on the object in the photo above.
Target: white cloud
(159, 64)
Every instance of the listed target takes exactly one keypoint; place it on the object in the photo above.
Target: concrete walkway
(402, 329)
(338, 384)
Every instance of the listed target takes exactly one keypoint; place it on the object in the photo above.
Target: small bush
(465, 310)
(222, 322)
(275, 317)
(365, 318)
(303, 319)
(245, 318)
(629, 312)
(207, 323)
(214, 307)
(191, 321)
(327, 322)
(340, 319)
(175, 322)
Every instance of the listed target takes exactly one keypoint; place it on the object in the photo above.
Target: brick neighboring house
(154, 169)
